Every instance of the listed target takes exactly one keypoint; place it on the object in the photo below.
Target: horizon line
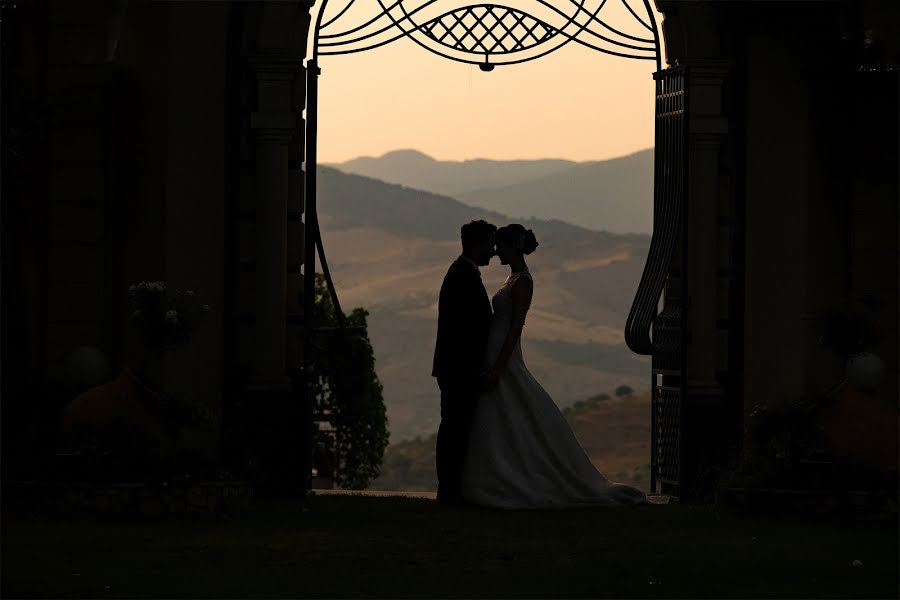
(431, 157)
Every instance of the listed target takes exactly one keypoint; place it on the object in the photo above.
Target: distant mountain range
(451, 178)
(352, 200)
(612, 195)
(389, 247)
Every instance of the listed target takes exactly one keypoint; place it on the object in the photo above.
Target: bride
(522, 452)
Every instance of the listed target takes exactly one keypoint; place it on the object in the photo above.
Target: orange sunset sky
(575, 103)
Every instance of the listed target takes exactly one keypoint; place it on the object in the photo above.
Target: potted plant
(130, 425)
(162, 321)
(852, 332)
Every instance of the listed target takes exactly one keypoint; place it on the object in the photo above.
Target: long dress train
(522, 452)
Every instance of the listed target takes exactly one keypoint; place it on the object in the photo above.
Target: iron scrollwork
(488, 29)
(490, 34)
(479, 34)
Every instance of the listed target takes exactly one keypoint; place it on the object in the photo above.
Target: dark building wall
(81, 228)
(874, 269)
(777, 205)
(194, 155)
(164, 168)
(822, 197)
(144, 130)
(121, 179)
(138, 164)
(169, 173)
(794, 152)
(23, 229)
(60, 210)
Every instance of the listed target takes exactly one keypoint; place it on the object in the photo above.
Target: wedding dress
(522, 452)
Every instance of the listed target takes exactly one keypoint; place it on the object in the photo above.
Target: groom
(464, 320)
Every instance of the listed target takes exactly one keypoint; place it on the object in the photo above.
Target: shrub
(624, 390)
(347, 391)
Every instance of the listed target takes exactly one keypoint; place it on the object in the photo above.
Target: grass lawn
(349, 546)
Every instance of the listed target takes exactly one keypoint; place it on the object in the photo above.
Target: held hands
(489, 379)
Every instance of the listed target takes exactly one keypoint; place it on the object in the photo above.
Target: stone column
(274, 125)
(705, 427)
(708, 129)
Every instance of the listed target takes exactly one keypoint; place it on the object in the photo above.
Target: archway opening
(393, 265)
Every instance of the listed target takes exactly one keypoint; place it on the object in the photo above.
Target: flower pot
(861, 428)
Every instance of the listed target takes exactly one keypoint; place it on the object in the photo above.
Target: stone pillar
(708, 130)
(274, 125)
(295, 233)
(705, 405)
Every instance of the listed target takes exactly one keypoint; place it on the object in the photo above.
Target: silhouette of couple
(502, 441)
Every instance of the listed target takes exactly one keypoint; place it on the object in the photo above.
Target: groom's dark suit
(464, 320)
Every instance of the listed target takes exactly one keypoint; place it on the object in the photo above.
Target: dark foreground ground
(349, 546)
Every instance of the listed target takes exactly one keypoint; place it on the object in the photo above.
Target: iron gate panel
(662, 333)
(667, 410)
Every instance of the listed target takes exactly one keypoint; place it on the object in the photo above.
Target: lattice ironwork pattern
(667, 430)
(493, 34)
(489, 29)
(667, 361)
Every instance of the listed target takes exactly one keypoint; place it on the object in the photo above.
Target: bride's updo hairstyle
(517, 236)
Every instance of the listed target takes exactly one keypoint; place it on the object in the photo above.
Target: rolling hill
(389, 247)
(612, 195)
(418, 170)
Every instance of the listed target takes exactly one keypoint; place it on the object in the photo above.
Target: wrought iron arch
(491, 35)
(483, 34)
(488, 34)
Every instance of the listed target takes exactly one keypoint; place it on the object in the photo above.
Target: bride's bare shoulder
(522, 283)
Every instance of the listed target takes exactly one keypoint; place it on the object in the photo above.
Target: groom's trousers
(457, 409)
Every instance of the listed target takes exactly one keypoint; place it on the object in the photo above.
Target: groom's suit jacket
(464, 321)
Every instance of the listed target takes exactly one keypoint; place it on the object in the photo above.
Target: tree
(596, 400)
(347, 391)
(624, 390)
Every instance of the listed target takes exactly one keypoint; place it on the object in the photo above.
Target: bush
(624, 390)
(409, 466)
(595, 400)
(780, 435)
(582, 406)
(348, 394)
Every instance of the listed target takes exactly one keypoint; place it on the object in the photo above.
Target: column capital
(275, 64)
(707, 71)
(274, 127)
(706, 84)
(274, 136)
